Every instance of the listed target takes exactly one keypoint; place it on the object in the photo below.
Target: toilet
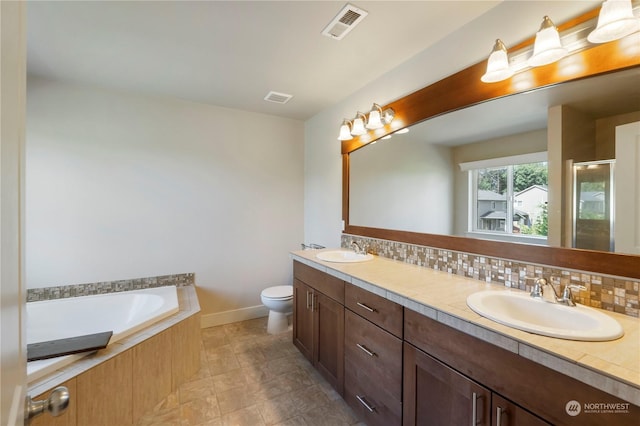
(279, 301)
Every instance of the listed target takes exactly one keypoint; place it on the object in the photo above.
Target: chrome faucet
(356, 247)
(544, 290)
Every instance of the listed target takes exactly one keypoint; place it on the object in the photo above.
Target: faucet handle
(539, 283)
(567, 294)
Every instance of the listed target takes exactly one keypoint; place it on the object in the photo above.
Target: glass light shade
(375, 119)
(498, 64)
(547, 47)
(345, 131)
(615, 21)
(358, 125)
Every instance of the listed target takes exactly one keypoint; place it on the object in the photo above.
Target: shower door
(593, 204)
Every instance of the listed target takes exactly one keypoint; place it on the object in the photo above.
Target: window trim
(493, 163)
(534, 157)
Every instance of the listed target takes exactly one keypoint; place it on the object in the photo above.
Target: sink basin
(343, 256)
(521, 311)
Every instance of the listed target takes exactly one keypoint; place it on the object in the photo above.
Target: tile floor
(251, 378)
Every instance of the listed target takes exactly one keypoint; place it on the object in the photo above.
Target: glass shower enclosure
(593, 205)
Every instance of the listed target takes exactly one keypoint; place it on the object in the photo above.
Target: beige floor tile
(195, 389)
(251, 378)
(249, 416)
(234, 399)
(201, 410)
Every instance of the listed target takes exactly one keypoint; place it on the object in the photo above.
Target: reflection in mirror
(422, 181)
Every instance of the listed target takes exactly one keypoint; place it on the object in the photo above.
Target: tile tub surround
(615, 294)
(188, 307)
(610, 366)
(76, 290)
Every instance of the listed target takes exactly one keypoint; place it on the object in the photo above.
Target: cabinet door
(303, 319)
(435, 394)
(506, 413)
(329, 339)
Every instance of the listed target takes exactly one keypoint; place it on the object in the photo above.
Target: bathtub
(124, 313)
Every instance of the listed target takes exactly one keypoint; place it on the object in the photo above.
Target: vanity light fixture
(357, 128)
(498, 68)
(616, 20)
(547, 47)
(378, 118)
(345, 131)
(375, 118)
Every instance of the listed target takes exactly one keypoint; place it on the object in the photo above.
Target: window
(509, 195)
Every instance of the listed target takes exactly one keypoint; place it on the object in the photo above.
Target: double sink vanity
(410, 345)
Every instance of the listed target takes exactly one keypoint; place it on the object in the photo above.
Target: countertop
(612, 366)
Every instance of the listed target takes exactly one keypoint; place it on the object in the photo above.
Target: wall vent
(279, 98)
(344, 22)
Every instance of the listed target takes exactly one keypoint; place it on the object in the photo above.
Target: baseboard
(227, 317)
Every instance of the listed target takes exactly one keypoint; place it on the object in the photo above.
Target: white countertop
(613, 366)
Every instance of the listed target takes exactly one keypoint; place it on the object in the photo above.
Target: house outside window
(509, 197)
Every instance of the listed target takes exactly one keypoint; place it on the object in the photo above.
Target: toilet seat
(279, 292)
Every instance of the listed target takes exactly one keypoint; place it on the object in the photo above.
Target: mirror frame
(464, 89)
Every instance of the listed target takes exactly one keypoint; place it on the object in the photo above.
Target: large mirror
(448, 175)
(561, 115)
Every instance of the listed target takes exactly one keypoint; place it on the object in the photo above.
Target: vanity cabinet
(373, 357)
(436, 394)
(318, 321)
(527, 392)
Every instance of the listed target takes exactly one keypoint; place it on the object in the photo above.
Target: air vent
(279, 98)
(344, 22)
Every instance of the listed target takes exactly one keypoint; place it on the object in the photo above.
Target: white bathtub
(124, 313)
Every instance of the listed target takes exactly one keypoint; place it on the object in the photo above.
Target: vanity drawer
(359, 389)
(372, 353)
(321, 281)
(377, 309)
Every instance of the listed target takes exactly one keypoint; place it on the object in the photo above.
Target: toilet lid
(278, 292)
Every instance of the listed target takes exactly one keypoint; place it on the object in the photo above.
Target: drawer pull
(365, 307)
(364, 403)
(498, 416)
(307, 300)
(365, 350)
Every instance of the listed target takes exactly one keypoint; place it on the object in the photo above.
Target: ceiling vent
(345, 21)
(278, 98)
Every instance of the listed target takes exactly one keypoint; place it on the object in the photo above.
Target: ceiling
(232, 53)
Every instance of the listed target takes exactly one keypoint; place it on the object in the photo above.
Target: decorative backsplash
(76, 290)
(615, 294)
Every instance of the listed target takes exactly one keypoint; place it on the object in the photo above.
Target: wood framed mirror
(464, 89)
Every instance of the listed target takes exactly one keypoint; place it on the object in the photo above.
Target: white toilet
(279, 300)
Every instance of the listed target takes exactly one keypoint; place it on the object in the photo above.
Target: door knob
(56, 404)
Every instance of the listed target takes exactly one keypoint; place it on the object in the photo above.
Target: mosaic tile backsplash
(605, 292)
(76, 290)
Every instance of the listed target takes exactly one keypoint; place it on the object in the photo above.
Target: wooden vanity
(400, 360)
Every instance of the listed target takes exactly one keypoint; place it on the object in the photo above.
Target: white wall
(123, 186)
(512, 21)
(402, 183)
